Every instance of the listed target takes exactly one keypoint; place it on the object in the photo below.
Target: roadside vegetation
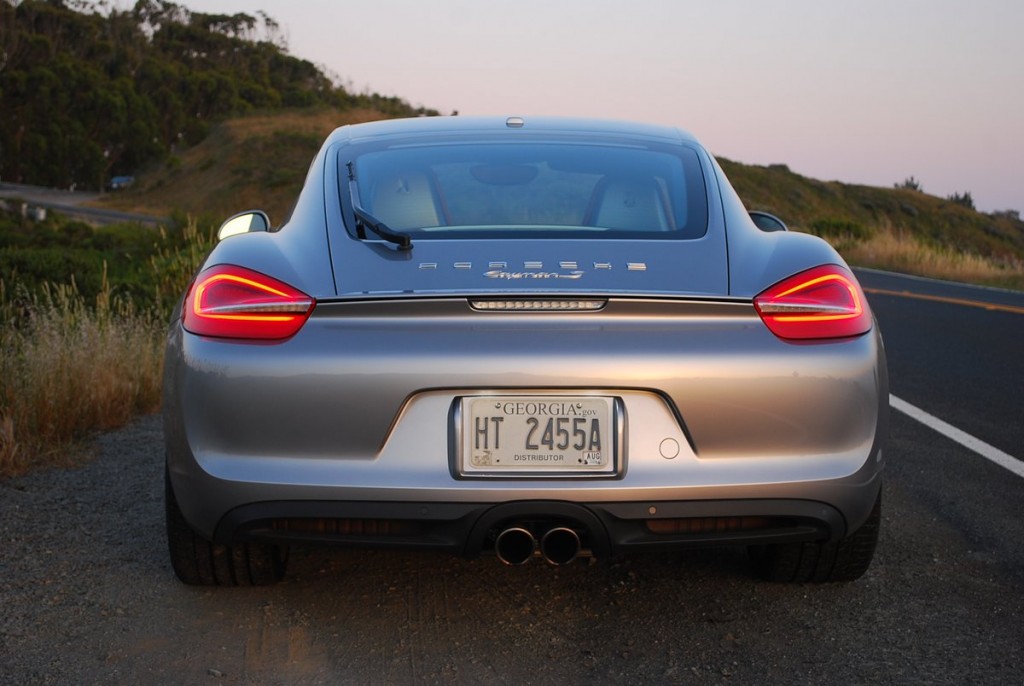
(69, 367)
(900, 251)
(901, 229)
(77, 359)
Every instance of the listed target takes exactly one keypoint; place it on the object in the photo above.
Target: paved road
(956, 352)
(70, 203)
(87, 595)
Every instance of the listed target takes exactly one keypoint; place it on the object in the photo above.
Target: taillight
(234, 302)
(824, 302)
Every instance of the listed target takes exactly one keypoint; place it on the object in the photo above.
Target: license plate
(541, 434)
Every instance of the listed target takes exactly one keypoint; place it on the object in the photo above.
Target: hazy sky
(870, 92)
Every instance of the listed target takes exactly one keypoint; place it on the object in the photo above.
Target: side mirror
(244, 222)
(768, 222)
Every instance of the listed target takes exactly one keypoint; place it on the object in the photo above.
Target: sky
(868, 92)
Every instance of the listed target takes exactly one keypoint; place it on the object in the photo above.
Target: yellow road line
(953, 301)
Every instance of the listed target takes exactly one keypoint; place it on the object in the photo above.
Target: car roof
(456, 125)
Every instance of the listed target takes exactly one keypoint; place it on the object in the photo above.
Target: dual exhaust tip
(558, 546)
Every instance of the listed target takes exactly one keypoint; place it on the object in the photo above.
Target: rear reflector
(234, 302)
(820, 303)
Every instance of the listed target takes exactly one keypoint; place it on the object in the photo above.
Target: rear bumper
(470, 529)
(409, 488)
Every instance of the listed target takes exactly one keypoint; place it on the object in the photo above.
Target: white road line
(979, 446)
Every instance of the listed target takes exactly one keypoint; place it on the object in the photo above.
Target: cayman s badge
(514, 276)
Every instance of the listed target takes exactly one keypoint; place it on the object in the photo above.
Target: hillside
(254, 162)
(835, 209)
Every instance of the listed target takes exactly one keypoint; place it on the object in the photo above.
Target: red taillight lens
(233, 302)
(824, 302)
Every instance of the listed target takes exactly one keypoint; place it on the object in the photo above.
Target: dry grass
(252, 162)
(68, 368)
(901, 252)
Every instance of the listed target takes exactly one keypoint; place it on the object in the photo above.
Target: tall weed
(175, 262)
(905, 253)
(71, 365)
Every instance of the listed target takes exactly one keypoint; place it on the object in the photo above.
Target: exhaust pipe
(560, 546)
(515, 546)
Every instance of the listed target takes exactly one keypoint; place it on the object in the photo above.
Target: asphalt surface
(70, 204)
(952, 356)
(87, 595)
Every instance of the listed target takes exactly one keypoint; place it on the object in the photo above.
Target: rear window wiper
(365, 220)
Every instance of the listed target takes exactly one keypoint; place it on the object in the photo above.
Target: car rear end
(569, 389)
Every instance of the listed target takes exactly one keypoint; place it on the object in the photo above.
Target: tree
(963, 199)
(910, 184)
(88, 94)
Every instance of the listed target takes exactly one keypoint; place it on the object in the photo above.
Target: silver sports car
(530, 338)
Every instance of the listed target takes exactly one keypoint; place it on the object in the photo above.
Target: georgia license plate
(521, 434)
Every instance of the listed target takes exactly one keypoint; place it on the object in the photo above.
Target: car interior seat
(405, 200)
(636, 204)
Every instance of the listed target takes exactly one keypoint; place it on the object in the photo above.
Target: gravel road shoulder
(87, 596)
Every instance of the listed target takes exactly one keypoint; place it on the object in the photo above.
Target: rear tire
(844, 560)
(199, 562)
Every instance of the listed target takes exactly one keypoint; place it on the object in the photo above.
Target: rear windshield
(532, 190)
